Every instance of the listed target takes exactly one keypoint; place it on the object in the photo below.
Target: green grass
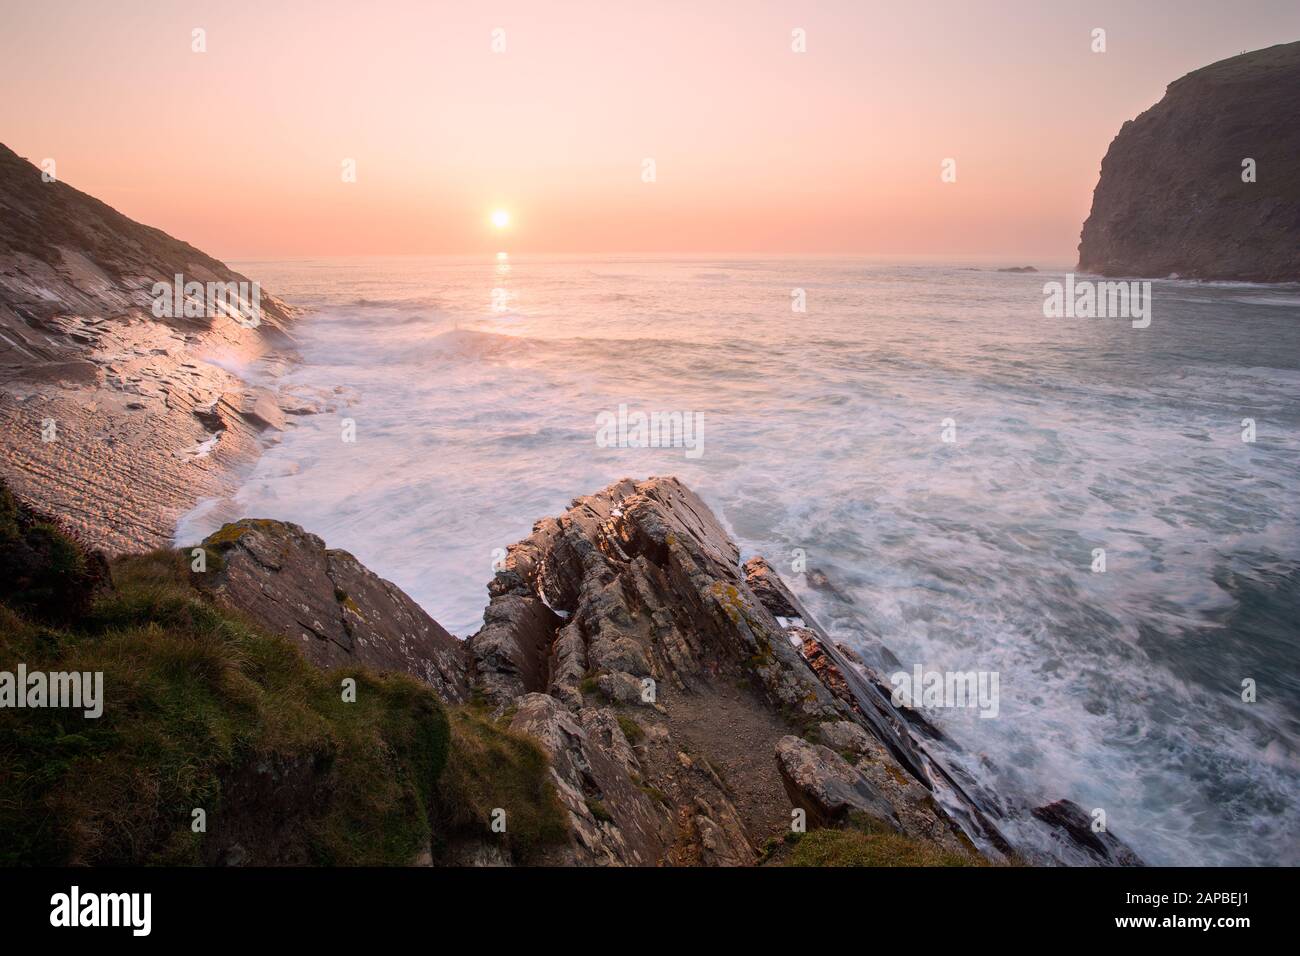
(857, 847)
(43, 570)
(198, 704)
(491, 767)
(631, 729)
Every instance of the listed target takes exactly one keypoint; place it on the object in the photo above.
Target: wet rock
(819, 581)
(1074, 827)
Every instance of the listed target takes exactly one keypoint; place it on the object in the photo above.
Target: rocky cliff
(112, 417)
(1171, 199)
(635, 697)
(690, 706)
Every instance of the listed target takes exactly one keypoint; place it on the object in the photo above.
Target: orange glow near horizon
(755, 147)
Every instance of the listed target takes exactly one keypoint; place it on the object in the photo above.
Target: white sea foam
(1118, 690)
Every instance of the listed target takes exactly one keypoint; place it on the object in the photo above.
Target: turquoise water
(475, 387)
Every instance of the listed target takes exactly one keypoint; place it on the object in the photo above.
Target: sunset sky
(239, 150)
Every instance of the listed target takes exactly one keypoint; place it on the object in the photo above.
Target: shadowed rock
(1171, 199)
(335, 609)
(1074, 827)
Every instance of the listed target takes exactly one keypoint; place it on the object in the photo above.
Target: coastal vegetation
(218, 742)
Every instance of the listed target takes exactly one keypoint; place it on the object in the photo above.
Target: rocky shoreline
(689, 705)
(688, 709)
(115, 419)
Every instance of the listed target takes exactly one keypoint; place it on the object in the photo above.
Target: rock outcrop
(1172, 200)
(636, 696)
(198, 716)
(335, 609)
(116, 419)
(1074, 829)
(626, 636)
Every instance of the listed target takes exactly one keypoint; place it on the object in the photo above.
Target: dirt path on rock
(737, 734)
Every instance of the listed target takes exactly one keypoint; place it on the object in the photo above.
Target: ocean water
(475, 386)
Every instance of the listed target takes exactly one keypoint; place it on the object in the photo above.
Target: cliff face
(110, 416)
(1171, 200)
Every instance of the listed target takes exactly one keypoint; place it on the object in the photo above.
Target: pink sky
(758, 149)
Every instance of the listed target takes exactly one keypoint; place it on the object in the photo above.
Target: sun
(500, 218)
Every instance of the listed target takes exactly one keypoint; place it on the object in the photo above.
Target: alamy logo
(1085, 299)
(241, 301)
(79, 690)
(626, 429)
(923, 688)
(103, 909)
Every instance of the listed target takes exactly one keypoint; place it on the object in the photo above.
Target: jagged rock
(612, 820)
(334, 608)
(1171, 199)
(1074, 826)
(652, 614)
(511, 650)
(888, 740)
(769, 588)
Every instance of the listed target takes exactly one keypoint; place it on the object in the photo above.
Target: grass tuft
(490, 768)
(201, 710)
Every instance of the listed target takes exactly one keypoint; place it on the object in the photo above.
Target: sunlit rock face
(1175, 196)
(112, 412)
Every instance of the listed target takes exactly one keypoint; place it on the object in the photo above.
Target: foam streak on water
(822, 432)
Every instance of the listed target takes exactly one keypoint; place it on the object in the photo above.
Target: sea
(1104, 515)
